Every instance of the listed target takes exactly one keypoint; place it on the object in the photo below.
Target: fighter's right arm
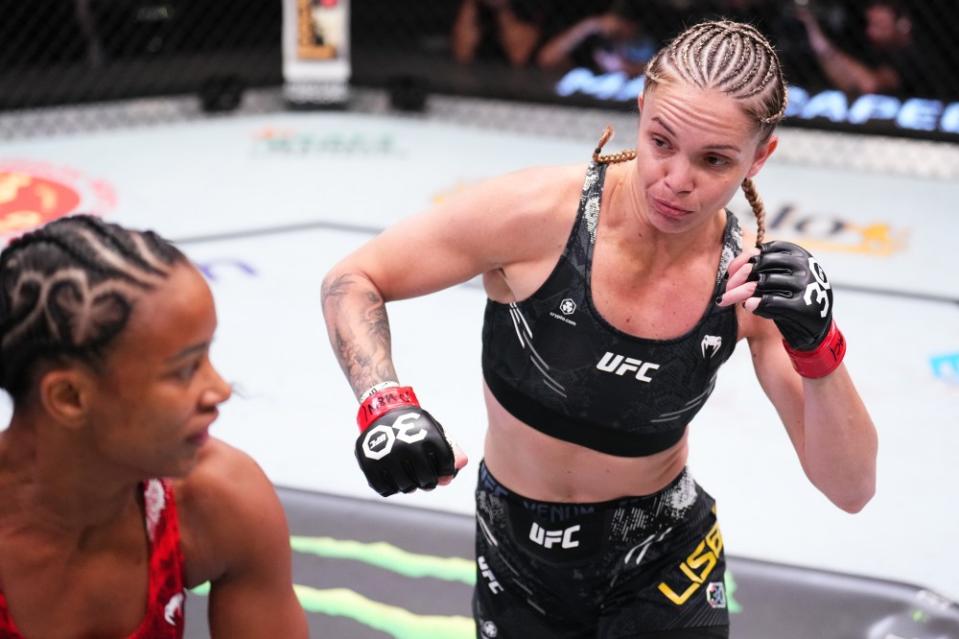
(485, 227)
(359, 329)
(493, 225)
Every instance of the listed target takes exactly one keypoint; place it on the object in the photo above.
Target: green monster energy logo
(395, 621)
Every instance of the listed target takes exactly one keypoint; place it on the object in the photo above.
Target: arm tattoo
(359, 331)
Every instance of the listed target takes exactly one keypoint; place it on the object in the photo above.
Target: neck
(56, 480)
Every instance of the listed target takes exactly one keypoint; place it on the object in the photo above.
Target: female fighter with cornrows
(113, 498)
(612, 304)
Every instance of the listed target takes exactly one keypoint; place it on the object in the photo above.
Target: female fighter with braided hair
(113, 497)
(612, 305)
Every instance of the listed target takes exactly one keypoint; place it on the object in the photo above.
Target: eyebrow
(658, 119)
(724, 147)
(189, 350)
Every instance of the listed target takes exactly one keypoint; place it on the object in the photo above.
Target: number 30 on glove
(794, 292)
(401, 447)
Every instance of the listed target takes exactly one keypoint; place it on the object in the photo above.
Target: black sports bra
(554, 363)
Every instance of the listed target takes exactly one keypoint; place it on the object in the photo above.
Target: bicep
(485, 227)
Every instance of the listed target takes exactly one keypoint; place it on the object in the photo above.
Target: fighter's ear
(66, 394)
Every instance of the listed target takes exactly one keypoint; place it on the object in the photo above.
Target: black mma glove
(795, 293)
(401, 447)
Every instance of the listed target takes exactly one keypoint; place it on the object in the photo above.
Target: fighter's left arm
(236, 537)
(811, 389)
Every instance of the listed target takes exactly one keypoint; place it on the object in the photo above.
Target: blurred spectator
(497, 29)
(885, 60)
(612, 41)
(89, 28)
(765, 15)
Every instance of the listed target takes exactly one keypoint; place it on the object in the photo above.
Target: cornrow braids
(731, 57)
(67, 289)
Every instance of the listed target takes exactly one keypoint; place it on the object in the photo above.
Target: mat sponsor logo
(696, 568)
(946, 367)
(620, 365)
(293, 143)
(549, 538)
(34, 193)
(831, 233)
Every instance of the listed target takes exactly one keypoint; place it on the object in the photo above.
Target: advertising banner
(316, 52)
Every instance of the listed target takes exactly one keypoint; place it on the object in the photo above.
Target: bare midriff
(541, 467)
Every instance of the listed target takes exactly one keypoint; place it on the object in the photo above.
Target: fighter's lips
(670, 210)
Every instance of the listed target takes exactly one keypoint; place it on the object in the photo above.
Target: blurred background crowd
(859, 46)
(59, 51)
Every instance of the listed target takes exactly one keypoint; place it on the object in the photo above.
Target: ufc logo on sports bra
(620, 365)
(549, 538)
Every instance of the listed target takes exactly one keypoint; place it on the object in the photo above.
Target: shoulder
(530, 191)
(224, 504)
(539, 194)
(222, 473)
(510, 216)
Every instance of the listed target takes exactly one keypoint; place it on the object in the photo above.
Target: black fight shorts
(637, 567)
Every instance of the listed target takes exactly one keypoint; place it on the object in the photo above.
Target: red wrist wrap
(822, 360)
(383, 401)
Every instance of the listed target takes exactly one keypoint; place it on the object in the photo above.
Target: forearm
(358, 328)
(844, 71)
(517, 37)
(839, 440)
(557, 50)
(466, 34)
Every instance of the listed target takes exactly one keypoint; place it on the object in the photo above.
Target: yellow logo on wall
(834, 234)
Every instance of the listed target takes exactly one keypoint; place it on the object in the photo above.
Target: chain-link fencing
(877, 66)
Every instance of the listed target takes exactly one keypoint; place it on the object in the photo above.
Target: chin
(181, 467)
(674, 226)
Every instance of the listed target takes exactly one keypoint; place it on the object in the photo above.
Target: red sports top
(164, 617)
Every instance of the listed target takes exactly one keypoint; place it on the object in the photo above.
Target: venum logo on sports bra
(620, 365)
(711, 345)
